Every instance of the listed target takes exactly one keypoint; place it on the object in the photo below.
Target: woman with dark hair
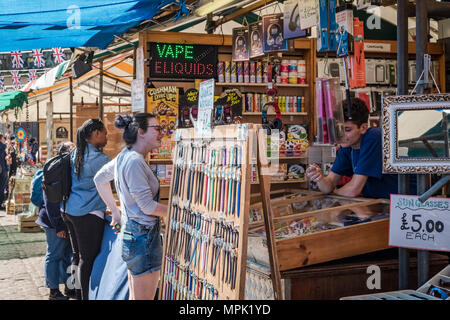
(85, 210)
(138, 191)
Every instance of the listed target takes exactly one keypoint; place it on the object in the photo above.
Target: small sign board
(205, 108)
(137, 95)
(417, 225)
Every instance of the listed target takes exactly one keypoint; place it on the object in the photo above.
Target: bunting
(17, 60)
(58, 54)
(32, 75)
(38, 58)
(15, 76)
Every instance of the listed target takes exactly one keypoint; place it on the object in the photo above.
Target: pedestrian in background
(59, 251)
(85, 210)
(3, 171)
(138, 190)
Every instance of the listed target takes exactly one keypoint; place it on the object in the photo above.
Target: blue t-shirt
(367, 161)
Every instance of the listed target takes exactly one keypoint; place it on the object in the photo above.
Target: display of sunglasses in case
(319, 228)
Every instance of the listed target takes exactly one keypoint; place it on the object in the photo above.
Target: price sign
(419, 225)
(205, 108)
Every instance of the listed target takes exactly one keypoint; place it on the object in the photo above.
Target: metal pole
(38, 130)
(402, 89)
(100, 105)
(422, 30)
(422, 255)
(71, 108)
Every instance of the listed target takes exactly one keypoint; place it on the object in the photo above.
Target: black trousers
(86, 234)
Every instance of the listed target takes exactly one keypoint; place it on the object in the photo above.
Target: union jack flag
(32, 75)
(17, 60)
(38, 58)
(15, 79)
(58, 54)
(2, 84)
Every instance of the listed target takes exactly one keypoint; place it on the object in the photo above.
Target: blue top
(50, 215)
(367, 161)
(84, 197)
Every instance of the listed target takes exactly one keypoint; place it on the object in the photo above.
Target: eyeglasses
(157, 128)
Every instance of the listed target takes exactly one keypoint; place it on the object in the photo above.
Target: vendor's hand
(314, 173)
(61, 234)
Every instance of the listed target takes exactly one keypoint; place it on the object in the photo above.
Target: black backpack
(57, 180)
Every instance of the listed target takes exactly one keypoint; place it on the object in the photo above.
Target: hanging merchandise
(344, 17)
(240, 44)
(273, 39)
(38, 57)
(15, 76)
(58, 54)
(205, 255)
(292, 20)
(16, 58)
(256, 43)
(163, 103)
(327, 26)
(228, 107)
(187, 102)
(357, 59)
(330, 116)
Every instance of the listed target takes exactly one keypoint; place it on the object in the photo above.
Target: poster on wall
(255, 34)
(273, 38)
(188, 108)
(163, 104)
(240, 44)
(137, 95)
(292, 20)
(203, 126)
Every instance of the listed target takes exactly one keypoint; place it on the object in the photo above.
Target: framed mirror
(416, 133)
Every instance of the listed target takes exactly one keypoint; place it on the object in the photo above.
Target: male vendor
(359, 157)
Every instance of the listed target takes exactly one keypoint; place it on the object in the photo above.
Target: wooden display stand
(206, 240)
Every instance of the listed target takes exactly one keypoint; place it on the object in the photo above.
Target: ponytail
(83, 134)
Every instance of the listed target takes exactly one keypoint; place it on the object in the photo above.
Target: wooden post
(268, 213)
(71, 108)
(100, 105)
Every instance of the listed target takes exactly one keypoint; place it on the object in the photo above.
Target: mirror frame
(391, 162)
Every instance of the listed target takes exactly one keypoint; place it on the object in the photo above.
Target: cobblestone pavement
(21, 262)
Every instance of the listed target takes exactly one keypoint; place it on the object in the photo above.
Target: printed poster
(255, 36)
(163, 103)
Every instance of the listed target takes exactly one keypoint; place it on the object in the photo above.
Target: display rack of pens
(206, 235)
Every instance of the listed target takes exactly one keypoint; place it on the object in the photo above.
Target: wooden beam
(243, 11)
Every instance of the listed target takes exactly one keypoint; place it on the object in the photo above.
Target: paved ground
(21, 262)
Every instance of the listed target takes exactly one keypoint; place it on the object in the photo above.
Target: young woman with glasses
(138, 191)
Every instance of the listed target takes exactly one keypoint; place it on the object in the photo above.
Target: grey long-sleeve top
(136, 185)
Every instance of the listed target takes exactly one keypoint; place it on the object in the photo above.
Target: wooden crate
(28, 224)
(10, 208)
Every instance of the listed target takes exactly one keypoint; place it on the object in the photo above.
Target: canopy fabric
(32, 24)
(12, 100)
(47, 79)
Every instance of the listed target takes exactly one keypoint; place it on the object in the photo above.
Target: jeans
(86, 235)
(57, 259)
(142, 247)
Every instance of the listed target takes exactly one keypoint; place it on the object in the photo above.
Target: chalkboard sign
(181, 60)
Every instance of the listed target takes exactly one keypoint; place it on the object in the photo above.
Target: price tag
(419, 225)
(205, 107)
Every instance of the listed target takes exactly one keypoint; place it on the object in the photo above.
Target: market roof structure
(66, 23)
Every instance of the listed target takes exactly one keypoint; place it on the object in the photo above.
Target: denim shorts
(142, 247)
